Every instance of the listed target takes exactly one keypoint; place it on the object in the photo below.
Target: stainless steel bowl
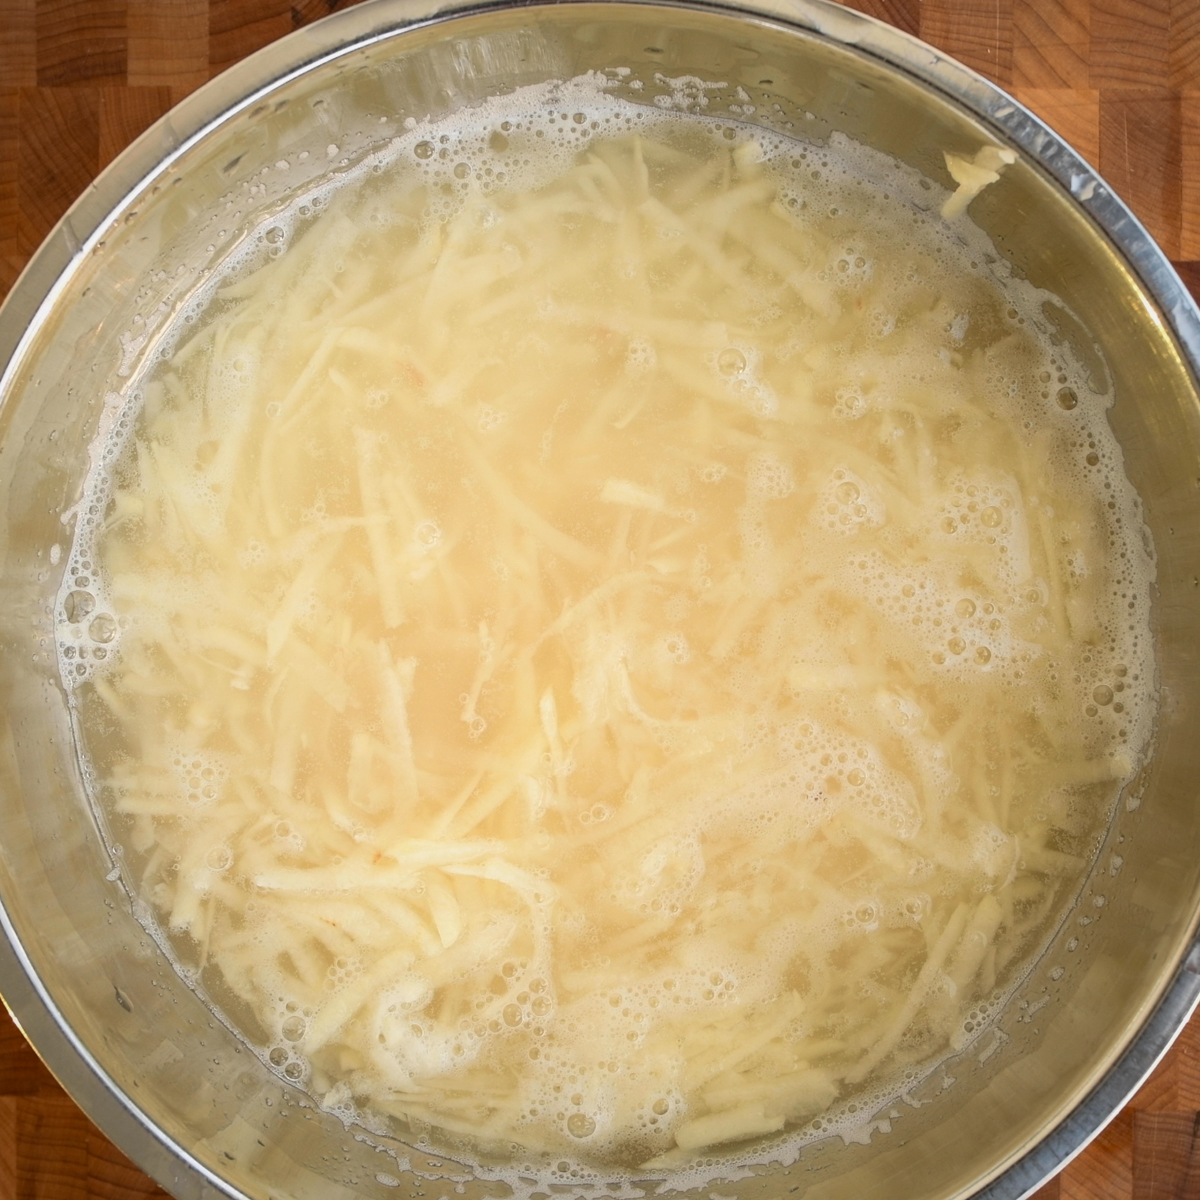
(145, 1059)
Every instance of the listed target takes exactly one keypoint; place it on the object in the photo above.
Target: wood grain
(123, 113)
(11, 258)
(1120, 79)
(80, 41)
(168, 44)
(1184, 44)
(48, 1149)
(1141, 156)
(1051, 44)
(18, 46)
(976, 32)
(1130, 43)
(58, 154)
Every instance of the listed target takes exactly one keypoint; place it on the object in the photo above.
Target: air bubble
(580, 1125)
(428, 533)
(731, 362)
(219, 858)
(77, 605)
(103, 628)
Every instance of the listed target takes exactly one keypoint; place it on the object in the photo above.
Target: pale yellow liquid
(625, 666)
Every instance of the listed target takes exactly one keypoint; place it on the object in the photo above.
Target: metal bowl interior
(151, 1065)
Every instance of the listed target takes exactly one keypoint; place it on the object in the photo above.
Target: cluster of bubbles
(850, 402)
(640, 357)
(881, 322)
(341, 973)
(528, 1000)
(1109, 692)
(851, 267)
(87, 630)
(579, 1084)
(285, 1054)
(985, 513)
(977, 1019)
(823, 771)
(526, 139)
(739, 368)
(491, 418)
(768, 477)
(660, 882)
(200, 776)
(959, 630)
(847, 502)
(290, 838)
(675, 648)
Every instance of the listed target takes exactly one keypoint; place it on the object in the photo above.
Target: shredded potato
(622, 667)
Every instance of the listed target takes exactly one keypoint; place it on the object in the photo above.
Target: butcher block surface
(79, 79)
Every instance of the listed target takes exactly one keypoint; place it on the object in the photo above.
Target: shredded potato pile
(611, 669)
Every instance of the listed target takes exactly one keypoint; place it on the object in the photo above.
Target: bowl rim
(236, 90)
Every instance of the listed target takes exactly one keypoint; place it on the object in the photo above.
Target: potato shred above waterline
(622, 638)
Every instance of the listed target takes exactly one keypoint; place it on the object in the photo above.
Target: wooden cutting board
(1120, 79)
